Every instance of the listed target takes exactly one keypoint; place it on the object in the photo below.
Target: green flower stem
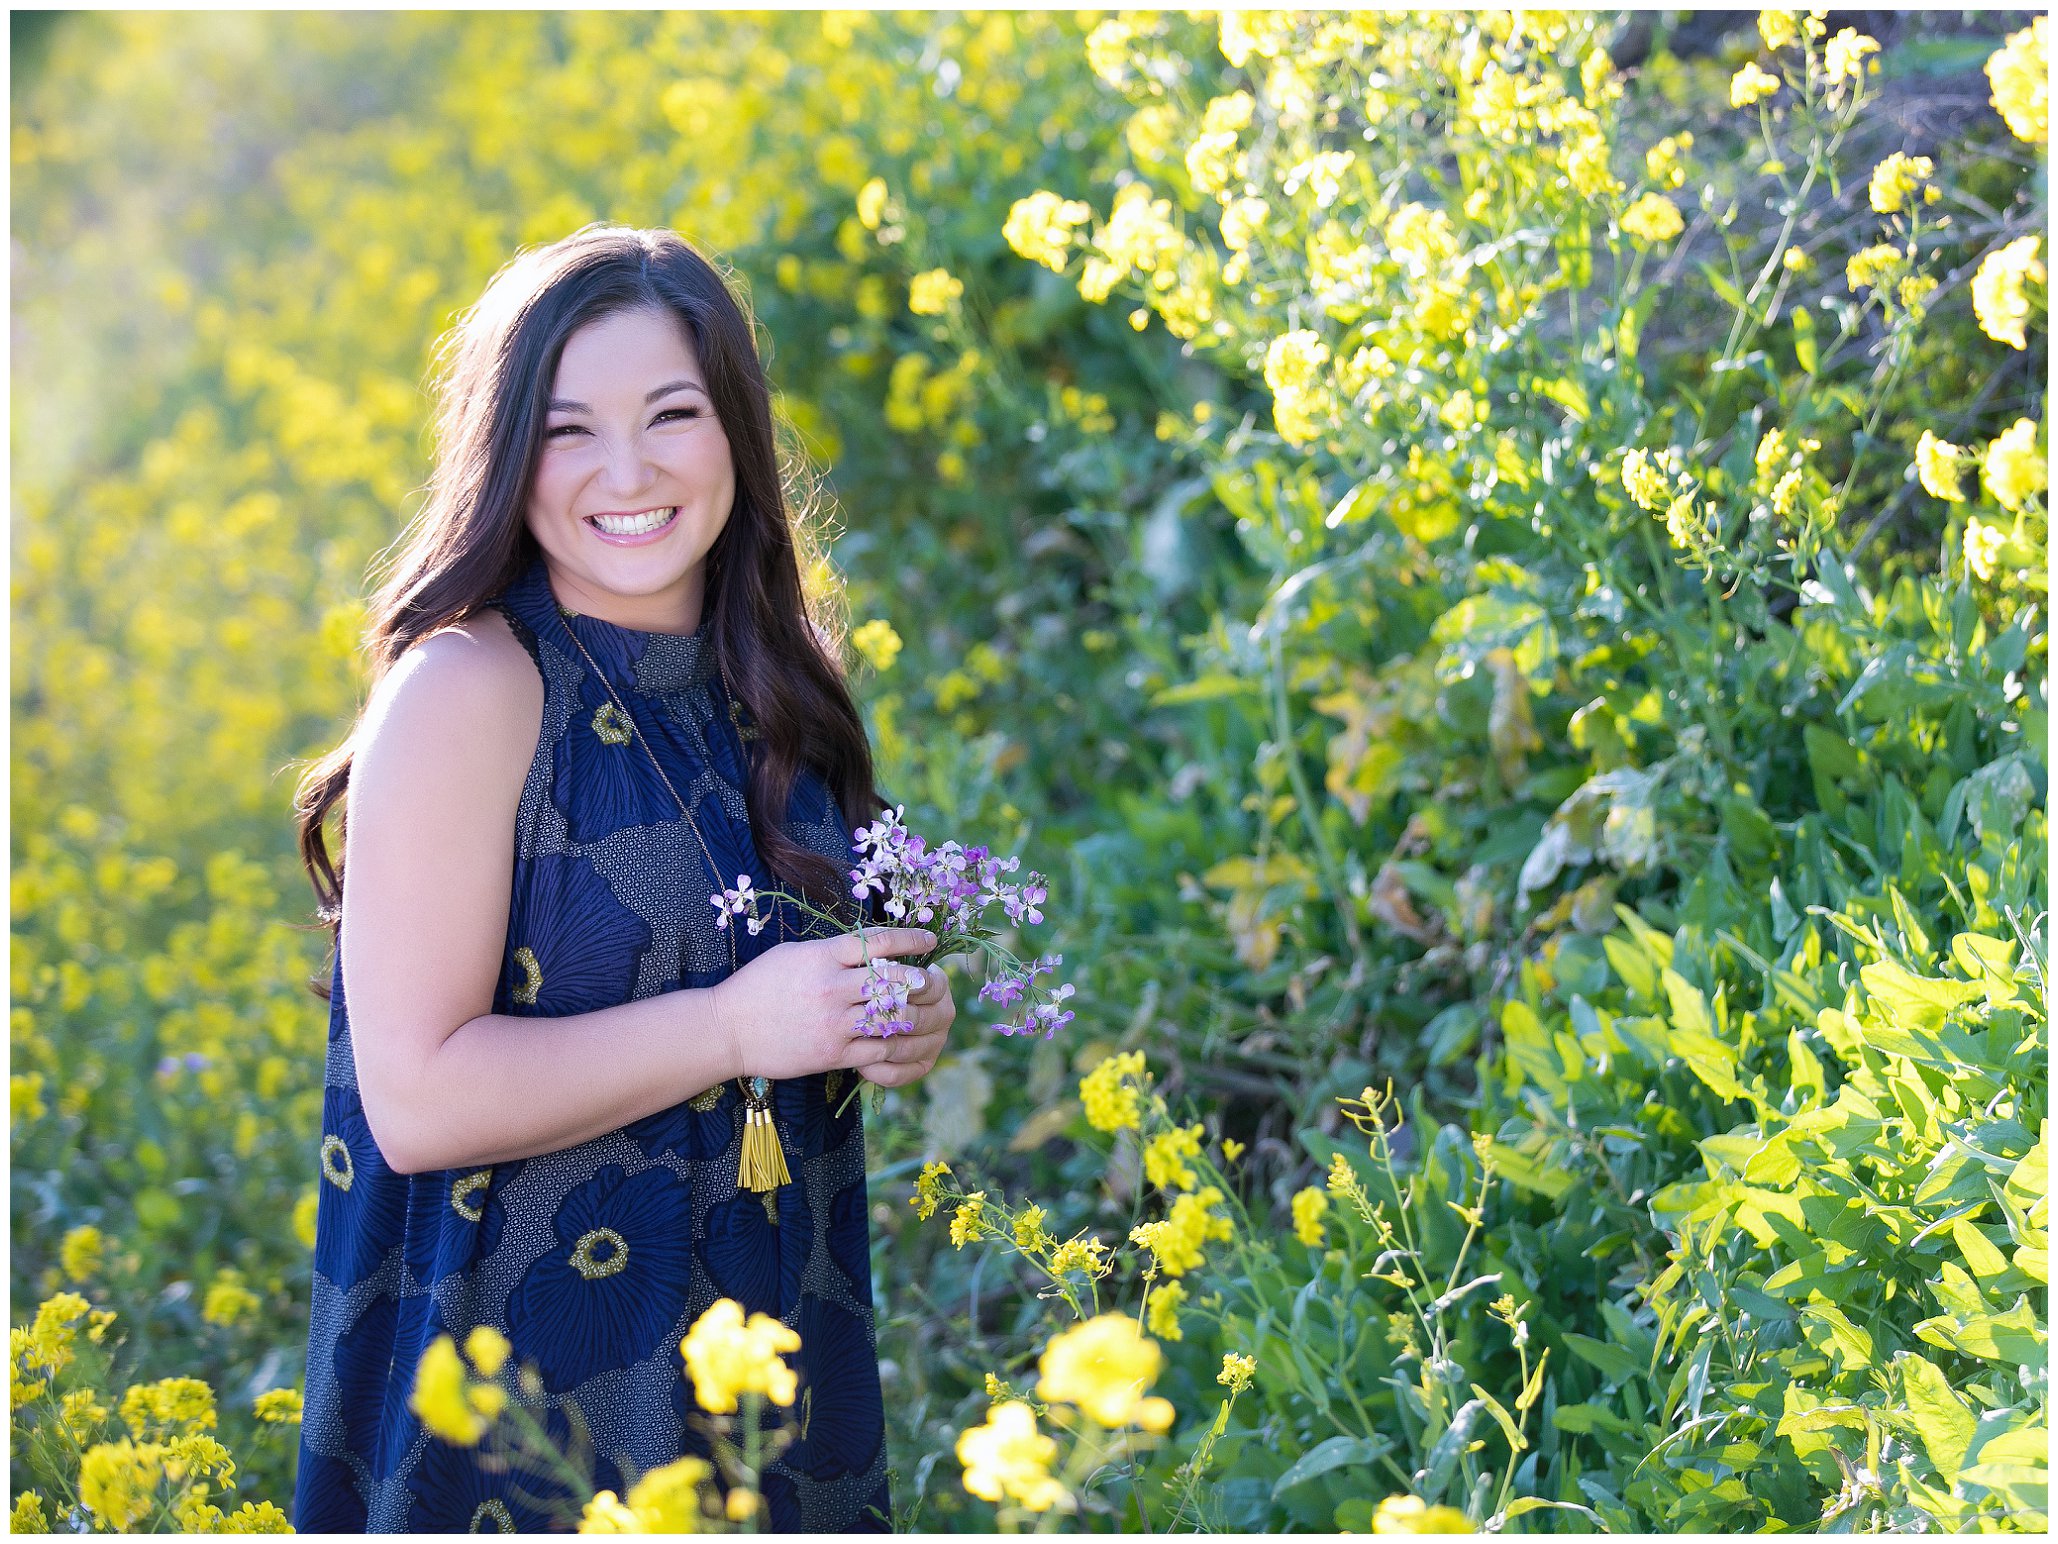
(753, 1450)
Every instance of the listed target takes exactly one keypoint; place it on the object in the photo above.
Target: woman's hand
(907, 1056)
(794, 1010)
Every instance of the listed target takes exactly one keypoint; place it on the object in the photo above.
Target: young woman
(598, 699)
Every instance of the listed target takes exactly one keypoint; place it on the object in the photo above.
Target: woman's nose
(625, 469)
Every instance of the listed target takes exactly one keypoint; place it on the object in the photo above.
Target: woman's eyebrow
(566, 405)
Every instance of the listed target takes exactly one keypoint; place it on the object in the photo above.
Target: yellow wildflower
(1029, 1232)
(281, 1406)
(931, 293)
(1165, 1155)
(1177, 1239)
(1410, 1514)
(1895, 178)
(255, 1517)
(1983, 544)
(28, 1514)
(169, 1402)
(228, 1301)
(878, 642)
(1213, 162)
(605, 1513)
(1777, 28)
(1232, 1149)
(1651, 219)
(1163, 1313)
(740, 1505)
(1105, 1366)
(725, 1357)
(1662, 162)
(1237, 1371)
(488, 1349)
(82, 1253)
(1844, 58)
(1938, 464)
(1870, 266)
(1110, 1093)
(1645, 479)
(1241, 220)
(970, 1221)
(1597, 77)
(667, 1499)
(81, 1413)
(1309, 1207)
(1083, 1253)
(439, 1398)
(929, 1189)
(54, 1331)
(24, 1097)
(1586, 167)
(1795, 260)
(1424, 237)
(1915, 291)
(2012, 468)
(2019, 73)
(1751, 85)
(1999, 297)
(200, 1456)
(1040, 227)
(871, 203)
(118, 1481)
(1228, 114)
(1008, 1459)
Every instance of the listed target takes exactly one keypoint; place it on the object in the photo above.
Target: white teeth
(634, 525)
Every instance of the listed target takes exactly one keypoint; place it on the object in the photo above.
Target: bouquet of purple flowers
(950, 890)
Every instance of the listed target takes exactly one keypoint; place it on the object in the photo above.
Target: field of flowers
(1497, 560)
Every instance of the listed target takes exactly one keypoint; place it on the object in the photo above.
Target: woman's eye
(551, 434)
(677, 412)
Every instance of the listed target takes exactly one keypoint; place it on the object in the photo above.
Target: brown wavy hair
(492, 381)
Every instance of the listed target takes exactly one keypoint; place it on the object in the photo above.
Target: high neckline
(654, 663)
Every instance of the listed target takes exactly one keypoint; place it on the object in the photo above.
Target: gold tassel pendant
(764, 1156)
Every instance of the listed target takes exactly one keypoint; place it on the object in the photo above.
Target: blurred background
(1257, 546)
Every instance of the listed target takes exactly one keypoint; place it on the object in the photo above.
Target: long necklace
(763, 1165)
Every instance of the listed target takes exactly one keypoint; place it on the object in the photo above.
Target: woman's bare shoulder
(468, 692)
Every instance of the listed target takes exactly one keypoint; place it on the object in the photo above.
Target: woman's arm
(446, 1082)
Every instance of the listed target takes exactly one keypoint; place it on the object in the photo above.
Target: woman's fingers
(850, 949)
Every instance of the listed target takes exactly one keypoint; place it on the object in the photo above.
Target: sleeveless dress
(594, 1261)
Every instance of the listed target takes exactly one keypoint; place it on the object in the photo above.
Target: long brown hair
(469, 542)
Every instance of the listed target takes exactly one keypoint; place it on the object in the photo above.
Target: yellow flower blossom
(28, 1516)
(1646, 477)
(931, 293)
(439, 1397)
(1844, 58)
(24, 1097)
(878, 643)
(487, 1349)
(1232, 1149)
(2000, 297)
(871, 203)
(1163, 1313)
(2019, 73)
(741, 1505)
(1110, 1092)
(1597, 80)
(1410, 1514)
(1241, 220)
(1165, 1155)
(1751, 85)
(83, 1253)
(53, 1332)
(725, 1357)
(1176, 1241)
(171, 1403)
(1651, 219)
(1008, 1459)
(1106, 1366)
(1423, 237)
(198, 1456)
(1587, 169)
(1083, 1253)
(1662, 162)
(1871, 266)
(280, 1406)
(1938, 464)
(118, 1482)
(1237, 1371)
(1777, 29)
(667, 1499)
(970, 1221)
(81, 1414)
(929, 1189)
(228, 1301)
(1309, 1208)
(605, 1513)
(1040, 227)
(255, 1517)
(1293, 365)
(2012, 469)
(1983, 544)
(1895, 178)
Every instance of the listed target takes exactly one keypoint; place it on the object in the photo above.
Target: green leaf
(1845, 1341)
(1325, 1456)
(1499, 1412)
(1939, 1417)
(1208, 688)
(1984, 1260)
(1804, 339)
(1616, 1364)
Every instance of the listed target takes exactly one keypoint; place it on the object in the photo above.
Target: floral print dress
(595, 1260)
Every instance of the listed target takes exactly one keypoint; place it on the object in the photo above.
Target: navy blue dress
(595, 1260)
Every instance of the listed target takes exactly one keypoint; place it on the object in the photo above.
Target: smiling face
(634, 480)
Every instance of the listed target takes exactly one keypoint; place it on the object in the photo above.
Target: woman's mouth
(633, 529)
